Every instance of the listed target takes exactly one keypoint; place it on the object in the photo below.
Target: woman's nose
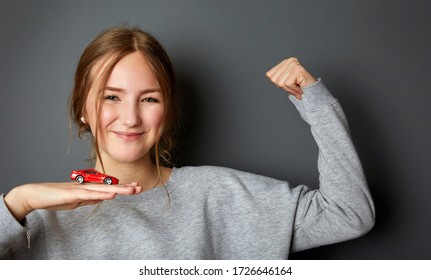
(130, 116)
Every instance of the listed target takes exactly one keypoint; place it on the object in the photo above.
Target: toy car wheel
(107, 181)
(79, 179)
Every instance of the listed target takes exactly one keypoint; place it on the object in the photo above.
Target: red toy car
(92, 176)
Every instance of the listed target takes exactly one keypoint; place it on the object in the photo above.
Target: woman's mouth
(128, 136)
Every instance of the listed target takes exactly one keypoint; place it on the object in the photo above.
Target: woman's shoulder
(228, 186)
(220, 176)
(208, 172)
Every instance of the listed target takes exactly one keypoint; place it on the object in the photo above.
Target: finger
(276, 72)
(288, 72)
(119, 189)
(294, 90)
(283, 64)
(273, 70)
(285, 78)
(129, 189)
(79, 195)
(284, 68)
(288, 81)
(138, 189)
(300, 80)
(134, 190)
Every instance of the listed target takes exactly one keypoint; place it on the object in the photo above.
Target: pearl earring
(83, 120)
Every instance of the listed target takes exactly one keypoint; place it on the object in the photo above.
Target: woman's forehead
(131, 67)
(133, 72)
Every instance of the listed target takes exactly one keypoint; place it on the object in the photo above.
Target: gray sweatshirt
(214, 212)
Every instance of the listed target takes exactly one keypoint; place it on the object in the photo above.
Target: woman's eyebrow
(115, 89)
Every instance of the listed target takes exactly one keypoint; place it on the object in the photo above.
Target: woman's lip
(129, 136)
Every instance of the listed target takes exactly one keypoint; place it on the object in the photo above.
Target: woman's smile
(128, 136)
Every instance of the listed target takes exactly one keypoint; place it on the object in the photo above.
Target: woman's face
(131, 111)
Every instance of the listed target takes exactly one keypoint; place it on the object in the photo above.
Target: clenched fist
(290, 75)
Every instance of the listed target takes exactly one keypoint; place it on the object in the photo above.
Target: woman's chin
(129, 158)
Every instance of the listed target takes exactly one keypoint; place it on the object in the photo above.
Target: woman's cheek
(107, 116)
(154, 117)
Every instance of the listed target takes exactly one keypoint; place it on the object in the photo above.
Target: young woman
(124, 95)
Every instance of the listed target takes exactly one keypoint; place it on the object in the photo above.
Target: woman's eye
(111, 98)
(150, 99)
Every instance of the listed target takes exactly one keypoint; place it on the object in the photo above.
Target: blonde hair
(105, 51)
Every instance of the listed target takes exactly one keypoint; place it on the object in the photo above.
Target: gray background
(373, 55)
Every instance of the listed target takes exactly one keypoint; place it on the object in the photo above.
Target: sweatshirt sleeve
(20, 240)
(11, 231)
(342, 207)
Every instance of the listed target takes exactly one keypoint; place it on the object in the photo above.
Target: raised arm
(342, 207)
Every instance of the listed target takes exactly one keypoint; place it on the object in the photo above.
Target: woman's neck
(142, 171)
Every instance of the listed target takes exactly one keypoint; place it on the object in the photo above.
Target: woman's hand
(62, 196)
(290, 75)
